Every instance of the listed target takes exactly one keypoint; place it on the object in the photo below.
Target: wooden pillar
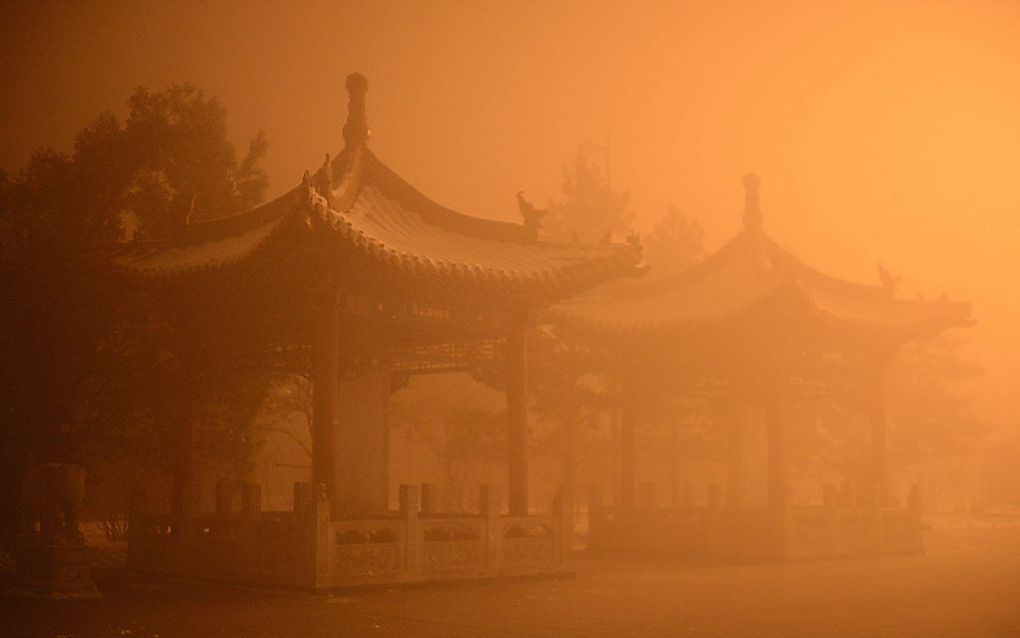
(614, 454)
(410, 502)
(735, 457)
(325, 395)
(674, 465)
(775, 414)
(183, 497)
(879, 481)
(488, 508)
(628, 454)
(569, 455)
(517, 408)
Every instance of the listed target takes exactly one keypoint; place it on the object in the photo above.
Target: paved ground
(967, 585)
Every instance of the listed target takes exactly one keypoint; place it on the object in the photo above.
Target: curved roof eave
(694, 299)
(449, 246)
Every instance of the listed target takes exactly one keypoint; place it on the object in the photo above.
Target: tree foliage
(591, 208)
(675, 243)
(77, 349)
(574, 381)
(462, 425)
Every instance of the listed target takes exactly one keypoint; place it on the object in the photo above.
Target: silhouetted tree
(675, 243)
(933, 426)
(572, 383)
(591, 209)
(570, 392)
(462, 426)
(74, 346)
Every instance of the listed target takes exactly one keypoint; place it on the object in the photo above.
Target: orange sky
(882, 131)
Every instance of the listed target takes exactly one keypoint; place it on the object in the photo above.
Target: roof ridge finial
(531, 216)
(356, 128)
(752, 212)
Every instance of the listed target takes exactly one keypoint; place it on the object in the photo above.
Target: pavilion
(357, 278)
(752, 325)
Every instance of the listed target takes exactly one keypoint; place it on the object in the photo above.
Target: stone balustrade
(717, 533)
(308, 548)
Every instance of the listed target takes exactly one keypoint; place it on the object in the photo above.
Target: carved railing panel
(452, 555)
(306, 548)
(728, 534)
(809, 532)
(858, 532)
(529, 540)
(453, 544)
(366, 548)
(901, 530)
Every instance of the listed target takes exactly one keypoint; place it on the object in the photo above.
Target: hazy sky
(883, 131)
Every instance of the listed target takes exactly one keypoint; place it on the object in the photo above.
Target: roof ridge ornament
(887, 279)
(324, 180)
(634, 241)
(752, 211)
(356, 129)
(531, 216)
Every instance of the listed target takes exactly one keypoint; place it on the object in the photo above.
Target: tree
(591, 209)
(932, 425)
(569, 393)
(462, 424)
(572, 379)
(169, 162)
(67, 334)
(675, 243)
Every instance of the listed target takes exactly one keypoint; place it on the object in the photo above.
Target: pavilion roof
(739, 279)
(377, 214)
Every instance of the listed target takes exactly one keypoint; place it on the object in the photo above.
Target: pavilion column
(325, 391)
(517, 408)
(185, 497)
(184, 493)
(735, 457)
(674, 465)
(628, 452)
(879, 479)
(775, 416)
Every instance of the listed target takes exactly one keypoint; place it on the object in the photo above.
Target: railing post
(302, 497)
(915, 499)
(875, 505)
(832, 519)
(565, 516)
(915, 511)
(251, 500)
(714, 496)
(137, 528)
(488, 506)
(648, 496)
(596, 518)
(410, 502)
(224, 499)
(320, 514)
(517, 412)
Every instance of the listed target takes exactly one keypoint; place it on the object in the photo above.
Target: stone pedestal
(54, 571)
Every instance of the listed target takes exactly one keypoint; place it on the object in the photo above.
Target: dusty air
(429, 319)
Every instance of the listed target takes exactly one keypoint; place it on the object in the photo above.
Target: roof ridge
(782, 257)
(391, 185)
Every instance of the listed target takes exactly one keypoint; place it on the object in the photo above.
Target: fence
(307, 548)
(712, 532)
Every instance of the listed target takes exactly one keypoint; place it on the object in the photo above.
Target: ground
(968, 584)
